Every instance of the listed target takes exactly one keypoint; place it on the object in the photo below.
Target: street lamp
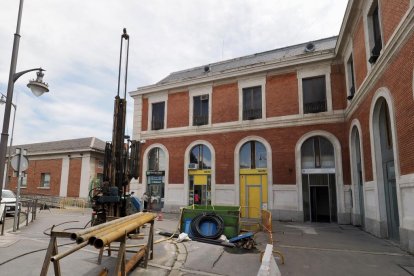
(3, 101)
(37, 86)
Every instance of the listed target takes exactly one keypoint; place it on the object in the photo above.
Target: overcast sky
(78, 41)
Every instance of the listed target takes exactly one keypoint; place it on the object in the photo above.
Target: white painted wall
(64, 177)
(85, 176)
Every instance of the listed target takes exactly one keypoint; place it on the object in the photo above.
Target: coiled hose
(207, 217)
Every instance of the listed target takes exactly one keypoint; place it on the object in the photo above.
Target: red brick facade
(225, 103)
(383, 73)
(178, 103)
(281, 95)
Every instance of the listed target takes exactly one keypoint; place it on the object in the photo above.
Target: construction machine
(121, 160)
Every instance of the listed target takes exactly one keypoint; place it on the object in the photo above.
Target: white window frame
(157, 99)
(42, 186)
(315, 72)
(24, 181)
(198, 91)
(348, 53)
(252, 82)
(368, 29)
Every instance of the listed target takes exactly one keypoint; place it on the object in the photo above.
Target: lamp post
(3, 101)
(37, 86)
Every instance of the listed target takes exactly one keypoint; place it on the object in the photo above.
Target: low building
(321, 131)
(60, 168)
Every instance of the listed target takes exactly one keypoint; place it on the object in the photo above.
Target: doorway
(253, 179)
(384, 152)
(253, 192)
(319, 180)
(156, 179)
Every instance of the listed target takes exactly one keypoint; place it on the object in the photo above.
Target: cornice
(278, 122)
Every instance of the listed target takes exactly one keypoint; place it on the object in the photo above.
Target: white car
(8, 201)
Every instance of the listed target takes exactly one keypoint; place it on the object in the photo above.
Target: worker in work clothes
(135, 202)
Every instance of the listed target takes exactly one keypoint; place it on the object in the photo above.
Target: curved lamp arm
(19, 74)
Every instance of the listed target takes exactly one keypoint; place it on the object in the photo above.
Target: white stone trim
(251, 82)
(283, 191)
(145, 168)
(64, 177)
(175, 189)
(337, 116)
(376, 150)
(269, 168)
(157, 98)
(85, 176)
(368, 29)
(356, 125)
(338, 167)
(137, 118)
(315, 71)
(348, 77)
(406, 183)
(213, 169)
(198, 91)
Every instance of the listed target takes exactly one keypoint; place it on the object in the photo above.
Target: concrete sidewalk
(23, 252)
(331, 249)
(309, 249)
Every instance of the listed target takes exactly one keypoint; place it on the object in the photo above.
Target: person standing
(196, 198)
(145, 200)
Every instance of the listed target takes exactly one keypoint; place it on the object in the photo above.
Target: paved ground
(331, 249)
(309, 249)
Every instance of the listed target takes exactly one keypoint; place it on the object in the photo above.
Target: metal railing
(30, 207)
(200, 120)
(157, 124)
(314, 107)
(252, 113)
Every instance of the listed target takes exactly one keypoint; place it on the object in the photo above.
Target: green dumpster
(230, 215)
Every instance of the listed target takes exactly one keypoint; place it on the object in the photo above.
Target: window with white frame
(24, 180)
(157, 111)
(314, 89)
(350, 77)
(45, 180)
(252, 96)
(374, 32)
(200, 110)
(252, 103)
(314, 94)
(157, 116)
(200, 105)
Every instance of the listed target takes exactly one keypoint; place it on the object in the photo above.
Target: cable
(207, 217)
(30, 252)
(44, 231)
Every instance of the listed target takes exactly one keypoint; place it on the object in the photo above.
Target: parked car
(8, 201)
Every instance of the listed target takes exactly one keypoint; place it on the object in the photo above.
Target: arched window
(200, 155)
(317, 152)
(156, 160)
(253, 155)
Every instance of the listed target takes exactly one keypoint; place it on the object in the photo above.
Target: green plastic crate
(230, 215)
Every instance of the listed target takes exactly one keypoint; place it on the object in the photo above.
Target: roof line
(251, 55)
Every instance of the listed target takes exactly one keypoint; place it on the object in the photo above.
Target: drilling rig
(121, 160)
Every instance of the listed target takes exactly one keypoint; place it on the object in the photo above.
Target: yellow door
(253, 192)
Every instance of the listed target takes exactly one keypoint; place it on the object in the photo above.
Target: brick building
(61, 168)
(320, 131)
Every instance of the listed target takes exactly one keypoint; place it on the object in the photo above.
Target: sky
(77, 42)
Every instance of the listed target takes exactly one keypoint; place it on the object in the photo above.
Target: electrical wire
(31, 252)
